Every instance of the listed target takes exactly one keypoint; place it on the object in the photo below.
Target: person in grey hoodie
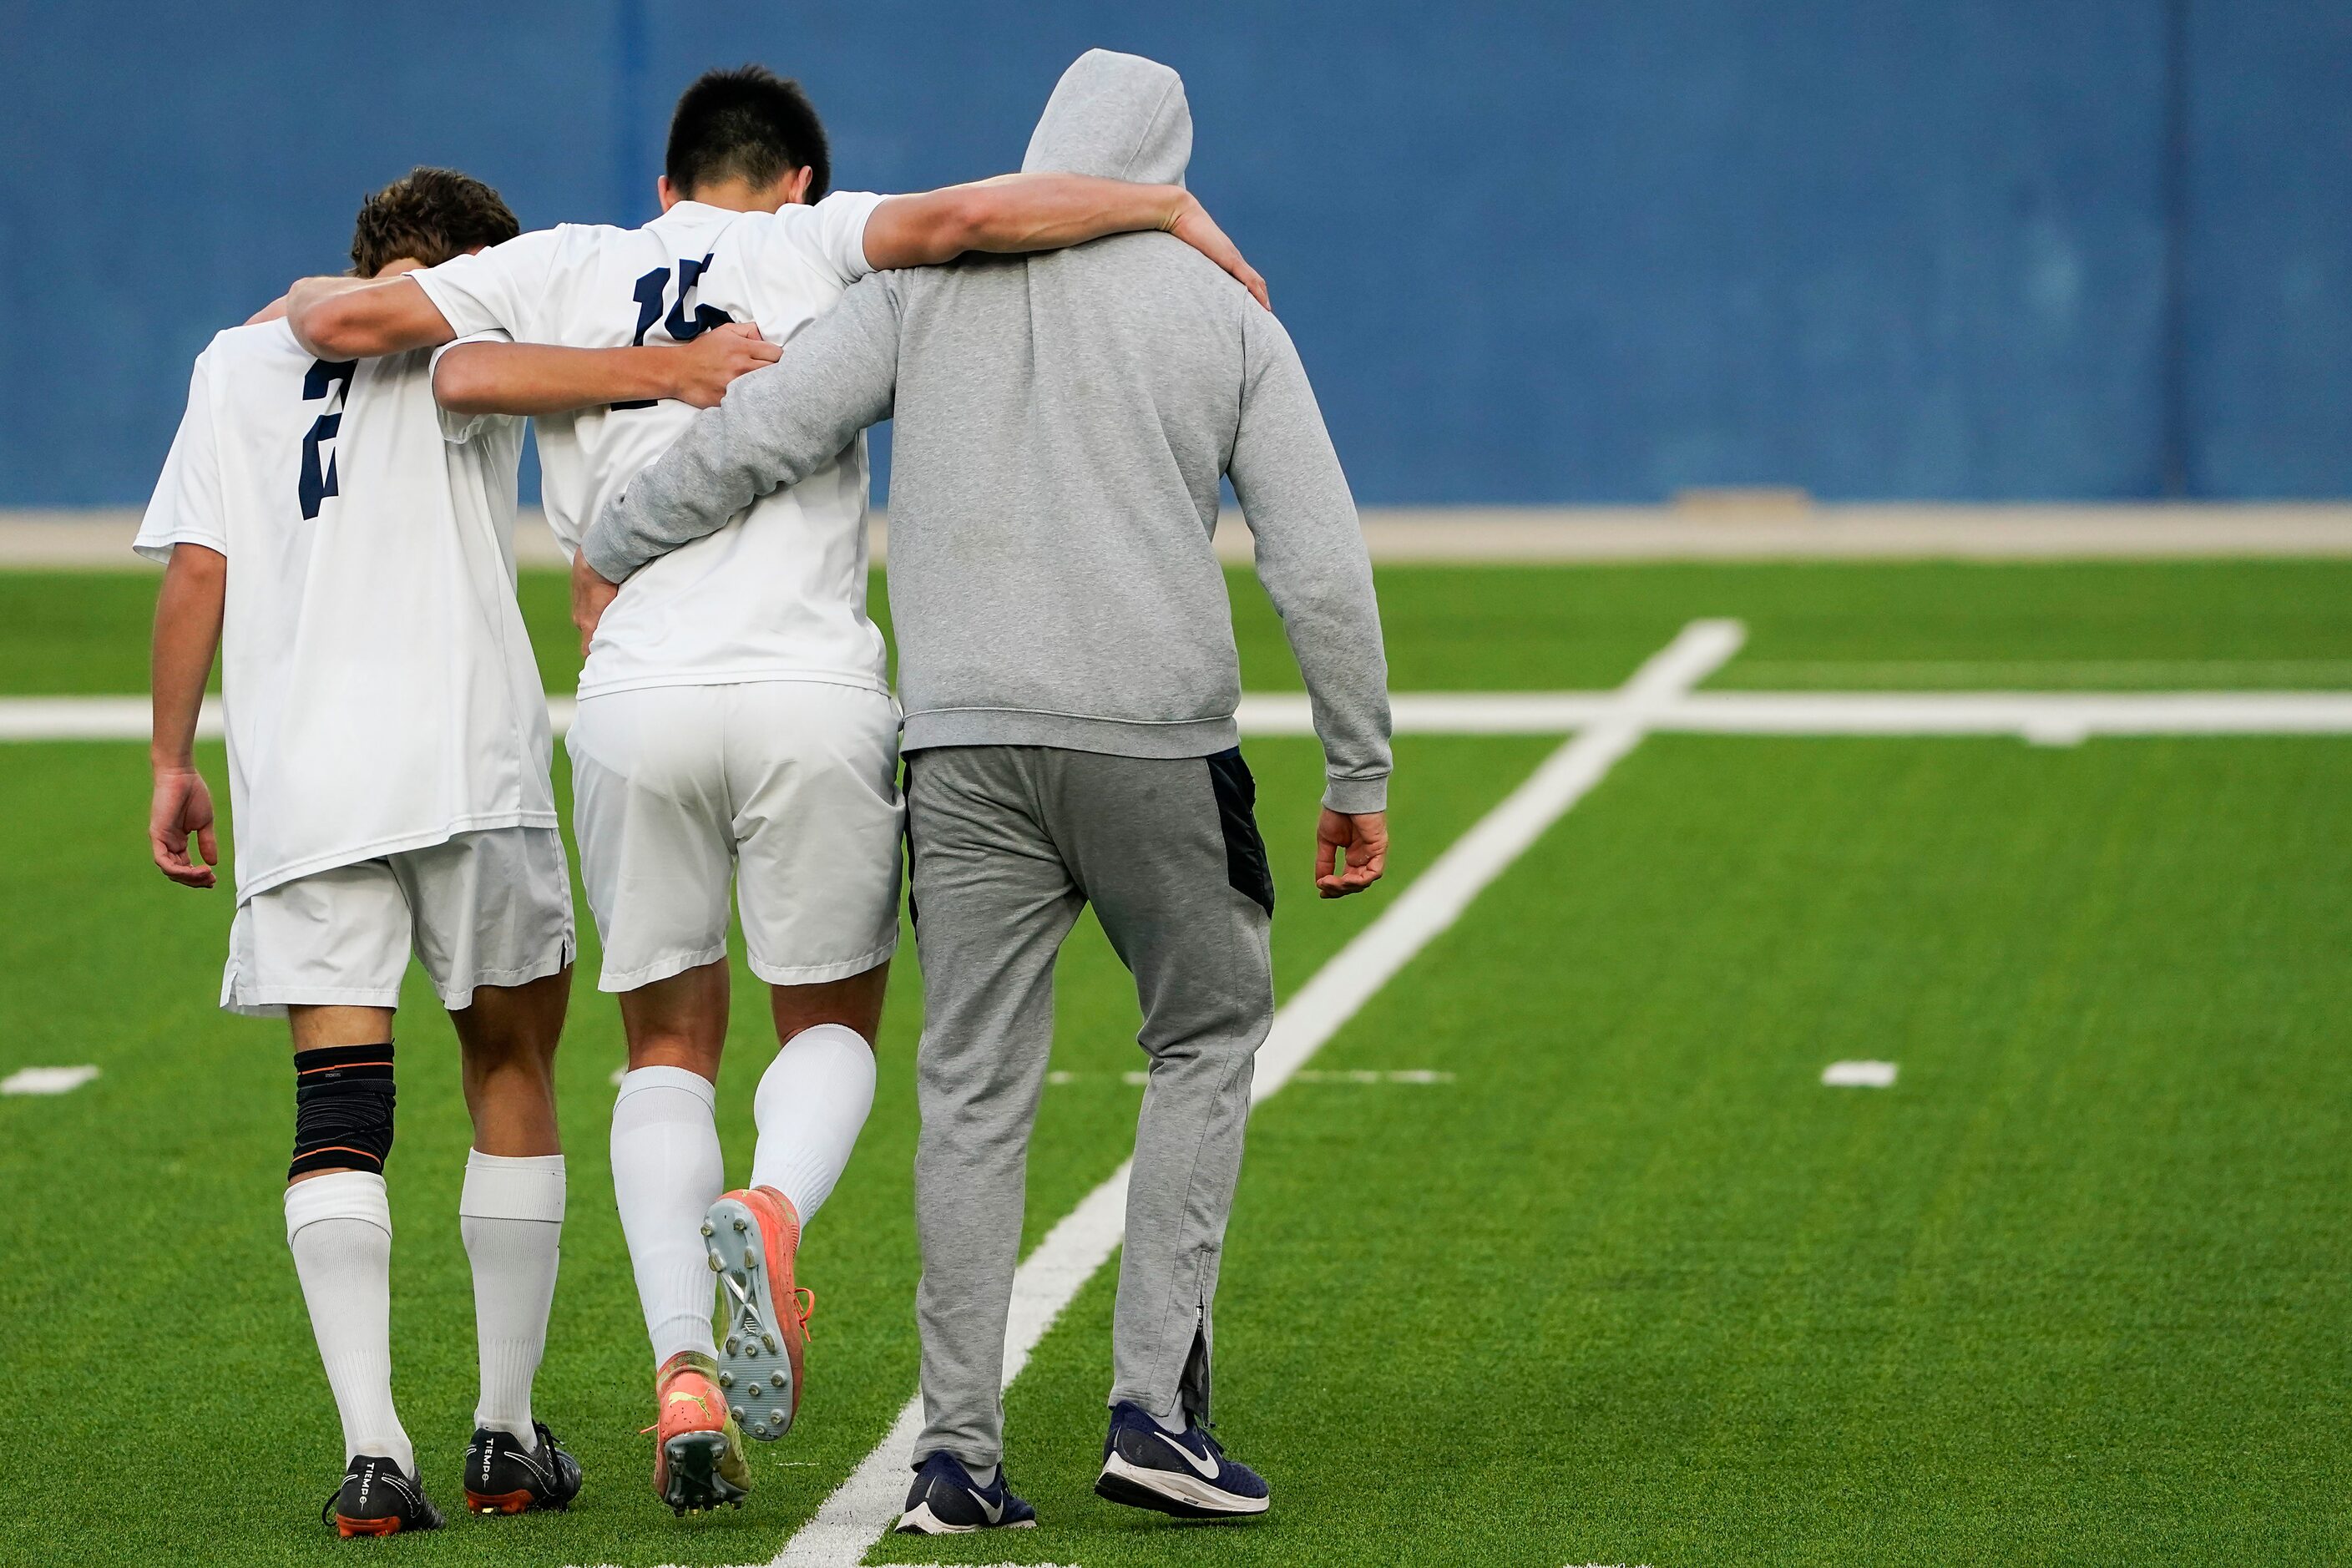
(1066, 663)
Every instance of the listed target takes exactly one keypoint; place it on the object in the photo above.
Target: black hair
(747, 123)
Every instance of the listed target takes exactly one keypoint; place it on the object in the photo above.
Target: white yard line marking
(2044, 717)
(1366, 1075)
(46, 1081)
(1859, 1075)
(867, 1504)
(2034, 715)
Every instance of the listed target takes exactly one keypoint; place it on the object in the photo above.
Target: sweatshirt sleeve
(1311, 558)
(774, 428)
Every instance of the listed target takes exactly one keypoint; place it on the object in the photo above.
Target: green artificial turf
(1822, 625)
(144, 1227)
(1634, 1287)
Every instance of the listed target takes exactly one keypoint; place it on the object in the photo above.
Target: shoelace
(806, 1309)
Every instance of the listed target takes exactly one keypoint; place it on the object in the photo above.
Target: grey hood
(1119, 116)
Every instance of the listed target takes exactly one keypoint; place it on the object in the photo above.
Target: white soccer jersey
(380, 689)
(782, 594)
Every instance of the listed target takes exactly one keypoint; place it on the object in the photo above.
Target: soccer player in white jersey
(348, 548)
(735, 715)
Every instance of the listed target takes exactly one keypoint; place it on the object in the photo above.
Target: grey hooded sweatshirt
(1062, 423)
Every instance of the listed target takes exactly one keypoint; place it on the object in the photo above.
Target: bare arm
(358, 317)
(533, 378)
(187, 635)
(1014, 213)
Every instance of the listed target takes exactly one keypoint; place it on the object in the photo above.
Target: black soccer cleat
(502, 1478)
(1185, 1474)
(375, 1498)
(944, 1501)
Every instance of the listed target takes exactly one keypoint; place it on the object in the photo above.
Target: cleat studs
(768, 1340)
(750, 1350)
(742, 1225)
(777, 1378)
(725, 1380)
(736, 1411)
(706, 1227)
(751, 1262)
(717, 1267)
(730, 1345)
(757, 1391)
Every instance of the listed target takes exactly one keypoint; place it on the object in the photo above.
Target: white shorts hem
(458, 998)
(660, 969)
(271, 1001)
(817, 973)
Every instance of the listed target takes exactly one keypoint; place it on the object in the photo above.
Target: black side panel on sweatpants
(907, 793)
(1245, 867)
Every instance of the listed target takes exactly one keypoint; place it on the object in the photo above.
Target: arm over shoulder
(501, 290)
(775, 427)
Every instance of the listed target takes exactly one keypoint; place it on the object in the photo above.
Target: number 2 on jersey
(331, 380)
(652, 294)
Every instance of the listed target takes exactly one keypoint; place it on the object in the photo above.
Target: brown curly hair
(430, 215)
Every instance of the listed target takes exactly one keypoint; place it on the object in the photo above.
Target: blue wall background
(1533, 252)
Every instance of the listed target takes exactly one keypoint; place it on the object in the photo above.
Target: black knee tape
(342, 1109)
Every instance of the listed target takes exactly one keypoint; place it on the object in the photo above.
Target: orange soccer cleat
(698, 1460)
(753, 1235)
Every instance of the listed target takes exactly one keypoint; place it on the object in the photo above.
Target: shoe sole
(351, 1529)
(920, 1521)
(755, 1374)
(1164, 1491)
(502, 1502)
(692, 1481)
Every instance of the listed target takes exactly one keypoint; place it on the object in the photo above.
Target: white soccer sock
(666, 1173)
(510, 1213)
(812, 1103)
(338, 1227)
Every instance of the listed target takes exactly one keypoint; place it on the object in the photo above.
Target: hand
(706, 366)
(590, 594)
(183, 806)
(1196, 228)
(1350, 852)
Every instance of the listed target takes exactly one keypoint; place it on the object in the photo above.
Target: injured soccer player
(347, 547)
(735, 722)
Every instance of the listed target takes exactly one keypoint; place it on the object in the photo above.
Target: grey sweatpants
(1008, 844)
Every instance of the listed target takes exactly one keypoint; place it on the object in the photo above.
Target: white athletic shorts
(488, 908)
(788, 787)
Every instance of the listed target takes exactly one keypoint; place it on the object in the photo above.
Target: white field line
(856, 1515)
(2034, 715)
(46, 1081)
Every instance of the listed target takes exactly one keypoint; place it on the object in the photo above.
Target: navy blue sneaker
(944, 1501)
(1147, 1466)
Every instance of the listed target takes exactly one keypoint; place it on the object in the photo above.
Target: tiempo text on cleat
(501, 1476)
(378, 1499)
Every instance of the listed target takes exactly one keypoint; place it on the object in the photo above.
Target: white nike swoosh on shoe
(995, 1510)
(1205, 1469)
